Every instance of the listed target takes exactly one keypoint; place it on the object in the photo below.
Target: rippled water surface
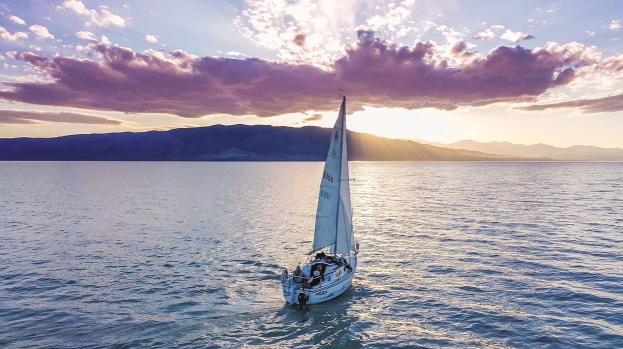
(189, 255)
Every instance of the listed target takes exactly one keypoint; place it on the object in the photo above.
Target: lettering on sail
(327, 176)
(324, 194)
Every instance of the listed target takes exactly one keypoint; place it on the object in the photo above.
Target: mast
(344, 236)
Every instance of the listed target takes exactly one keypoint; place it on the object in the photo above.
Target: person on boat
(317, 273)
(306, 271)
(315, 278)
(323, 257)
(298, 275)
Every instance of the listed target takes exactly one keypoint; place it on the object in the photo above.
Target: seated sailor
(317, 273)
(315, 278)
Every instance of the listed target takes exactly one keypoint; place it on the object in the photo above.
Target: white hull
(332, 287)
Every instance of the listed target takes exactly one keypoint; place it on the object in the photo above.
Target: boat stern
(289, 289)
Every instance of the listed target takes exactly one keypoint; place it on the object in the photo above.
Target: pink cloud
(587, 105)
(372, 72)
(32, 117)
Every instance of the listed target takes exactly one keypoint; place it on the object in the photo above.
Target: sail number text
(327, 176)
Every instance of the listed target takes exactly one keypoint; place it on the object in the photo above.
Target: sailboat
(333, 259)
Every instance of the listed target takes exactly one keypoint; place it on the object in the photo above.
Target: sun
(422, 124)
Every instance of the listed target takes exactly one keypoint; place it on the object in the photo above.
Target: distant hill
(576, 152)
(225, 143)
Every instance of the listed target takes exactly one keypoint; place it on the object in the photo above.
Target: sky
(441, 71)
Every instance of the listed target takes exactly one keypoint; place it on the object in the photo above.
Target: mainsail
(334, 225)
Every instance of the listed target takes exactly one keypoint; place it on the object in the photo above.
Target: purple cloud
(372, 72)
(588, 105)
(459, 48)
(31, 117)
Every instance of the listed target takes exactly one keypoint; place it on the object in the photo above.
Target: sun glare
(423, 124)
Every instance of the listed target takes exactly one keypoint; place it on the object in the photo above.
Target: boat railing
(305, 280)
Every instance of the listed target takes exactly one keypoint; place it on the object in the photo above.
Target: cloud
(234, 54)
(12, 37)
(275, 25)
(393, 20)
(372, 72)
(86, 35)
(485, 35)
(588, 105)
(615, 24)
(508, 35)
(40, 31)
(101, 17)
(32, 117)
(613, 64)
(314, 117)
(316, 32)
(515, 37)
(17, 20)
(152, 39)
(460, 49)
(299, 39)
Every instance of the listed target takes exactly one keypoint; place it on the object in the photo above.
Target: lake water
(453, 254)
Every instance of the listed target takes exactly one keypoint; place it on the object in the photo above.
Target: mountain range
(541, 151)
(226, 143)
(276, 143)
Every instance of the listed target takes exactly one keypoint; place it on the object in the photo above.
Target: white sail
(333, 215)
(344, 241)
